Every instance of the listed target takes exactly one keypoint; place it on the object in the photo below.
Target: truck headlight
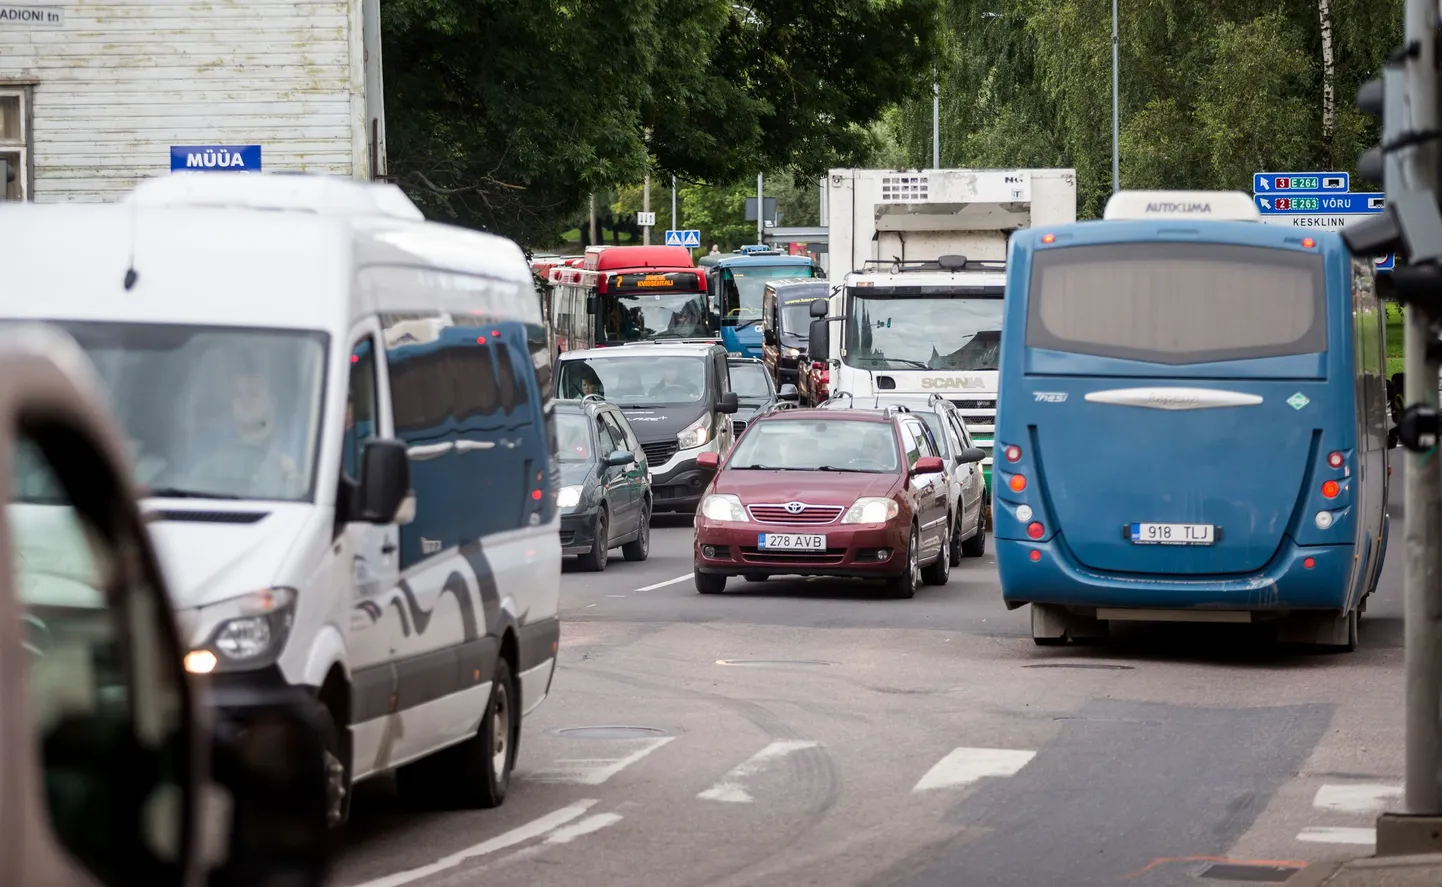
(723, 506)
(250, 639)
(871, 510)
(568, 497)
(696, 434)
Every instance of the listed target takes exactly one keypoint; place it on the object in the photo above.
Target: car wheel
(905, 585)
(710, 583)
(939, 570)
(640, 549)
(594, 561)
(954, 546)
(976, 545)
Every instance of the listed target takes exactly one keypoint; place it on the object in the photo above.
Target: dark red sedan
(858, 494)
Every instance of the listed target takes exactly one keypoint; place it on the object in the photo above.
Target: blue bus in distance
(736, 285)
(1191, 423)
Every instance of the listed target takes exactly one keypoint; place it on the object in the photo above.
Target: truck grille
(738, 426)
(659, 453)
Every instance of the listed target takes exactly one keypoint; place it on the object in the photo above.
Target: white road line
(533, 829)
(963, 766)
(729, 787)
(1356, 798)
(594, 771)
(569, 833)
(666, 583)
(1338, 835)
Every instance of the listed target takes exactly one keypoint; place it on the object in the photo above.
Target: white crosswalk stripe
(594, 771)
(1355, 799)
(730, 788)
(964, 766)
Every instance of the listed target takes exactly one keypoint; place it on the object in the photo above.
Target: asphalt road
(813, 733)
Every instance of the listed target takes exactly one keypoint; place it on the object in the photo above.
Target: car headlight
(871, 510)
(723, 506)
(793, 352)
(568, 497)
(251, 638)
(696, 434)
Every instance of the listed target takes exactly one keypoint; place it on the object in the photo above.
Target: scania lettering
(1193, 424)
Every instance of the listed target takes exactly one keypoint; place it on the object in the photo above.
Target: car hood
(575, 473)
(661, 423)
(209, 558)
(749, 409)
(814, 487)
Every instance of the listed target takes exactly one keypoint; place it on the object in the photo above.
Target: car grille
(830, 557)
(658, 454)
(809, 515)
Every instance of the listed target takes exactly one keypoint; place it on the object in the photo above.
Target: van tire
(466, 775)
(639, 548)
(334, 758)
(594, 561)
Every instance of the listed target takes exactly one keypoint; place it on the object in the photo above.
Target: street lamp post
(1116, 117)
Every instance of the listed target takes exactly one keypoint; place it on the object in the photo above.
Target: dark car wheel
(976, 545)
(640, 548)
(939, 570)
(594, 561)
(710, 583)
(905, 585)
(954, 545)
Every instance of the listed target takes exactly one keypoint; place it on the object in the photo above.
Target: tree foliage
(506, 114)
(1210, 90)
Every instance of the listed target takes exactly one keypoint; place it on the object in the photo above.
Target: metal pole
(1423, 628)
(675, 226)
(593, 218)
(646, 207)
(936, 119)
(760, 211)
(1116, 112)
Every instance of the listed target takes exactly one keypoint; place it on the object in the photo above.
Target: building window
(15, 142)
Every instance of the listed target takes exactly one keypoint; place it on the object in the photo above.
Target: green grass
(574, 236)
(1394, 338)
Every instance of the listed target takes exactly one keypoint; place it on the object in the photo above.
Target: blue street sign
(691, 238)
(214, 158)
(1272, 182)
(1387, 262)
(1350, 202)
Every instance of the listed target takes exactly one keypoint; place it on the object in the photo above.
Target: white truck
(917, 274)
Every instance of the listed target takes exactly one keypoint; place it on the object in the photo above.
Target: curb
(1316, 874)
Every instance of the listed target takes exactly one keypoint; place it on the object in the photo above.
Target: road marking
(533, 829)
(729, 787)
(666, 583)
(1359, 798)
(1338, 835)
(594, 771)
(569, 833)
(966, 765)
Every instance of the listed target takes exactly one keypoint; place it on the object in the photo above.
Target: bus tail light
(1308, 243)
(1023, 513)
(1331, 489)
(1309, 563)
(1335, 460)
(1323, 520)
(1013, 453)
(1035, 554)
(1017, 483)
(1048, 238)
(1035, 530)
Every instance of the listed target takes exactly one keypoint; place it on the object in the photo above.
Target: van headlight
(793, 352)
(696, 434)
(568, 497)
(871, 510)
(723, 506)
(251, 638)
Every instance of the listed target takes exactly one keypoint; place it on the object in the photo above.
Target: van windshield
(213, 412)
(638, 379)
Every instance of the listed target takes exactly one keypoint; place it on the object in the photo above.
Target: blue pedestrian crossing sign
(691, 238)
(1386, 263)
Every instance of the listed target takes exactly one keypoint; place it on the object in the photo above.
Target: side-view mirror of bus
(788, 392)
(385, 482)
(818, 344)
(971, 454)
(730, 403)
(591, 305)
(818, 308)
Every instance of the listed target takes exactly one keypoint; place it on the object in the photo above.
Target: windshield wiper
(177, 493)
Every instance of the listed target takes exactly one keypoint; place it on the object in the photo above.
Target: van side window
(360, 407)
(511, 393)
(474, 378)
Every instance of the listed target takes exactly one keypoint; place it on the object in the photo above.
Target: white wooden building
(97, 94)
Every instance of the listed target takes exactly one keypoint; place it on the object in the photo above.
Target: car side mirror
(928, 465)
(385, 482)
(971, 454)
(788, 392)
(818, 344)
(619, 458)
(818, 308)
(272, 765)
(708, 460)
(769, 336)
(730, 403)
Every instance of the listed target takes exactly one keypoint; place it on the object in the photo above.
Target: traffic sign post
(645, 219)
(1271, 182)
(690, 239)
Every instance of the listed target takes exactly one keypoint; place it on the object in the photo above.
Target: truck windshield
(924, 332)
(213, 412)
(636, 316)
(744, 287)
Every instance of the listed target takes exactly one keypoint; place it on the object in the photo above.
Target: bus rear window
(1177, 303)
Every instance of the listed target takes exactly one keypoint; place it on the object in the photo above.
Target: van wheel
(904, 586)
(337, 780)
(640, 548)
(594, 561)
(476, 773)
(939, 570)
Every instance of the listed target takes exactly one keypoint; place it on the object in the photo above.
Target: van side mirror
(817, 308)
(385, 481)
(818, 345)
(730, 403)
(971, 454)
(788, 392)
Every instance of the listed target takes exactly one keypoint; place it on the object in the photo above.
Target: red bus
(629, 294)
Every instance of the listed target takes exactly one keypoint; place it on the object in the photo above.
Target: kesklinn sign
(1329, 222)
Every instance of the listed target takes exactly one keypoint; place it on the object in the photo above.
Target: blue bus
(735, 285)
(1191, 423)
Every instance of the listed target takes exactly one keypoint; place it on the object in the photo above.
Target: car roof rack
(935, 397)
(893, 409)
(837, 395)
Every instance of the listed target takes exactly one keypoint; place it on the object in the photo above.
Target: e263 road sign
(1348, 202)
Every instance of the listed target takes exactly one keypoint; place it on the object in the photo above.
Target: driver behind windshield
(677, 383)
(246, 454)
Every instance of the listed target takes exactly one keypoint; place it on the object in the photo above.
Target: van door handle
(429, 451)
(470, 446)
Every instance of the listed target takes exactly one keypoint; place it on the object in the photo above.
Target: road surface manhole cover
(766, 662)
(1080, 665)
(1232, 871)
(610, 732)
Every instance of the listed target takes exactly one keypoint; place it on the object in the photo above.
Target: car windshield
(639, 379)
(573, 437)
(817, 445)
(749, 381)
(927, 333)
(631, 318)
(745, 286)
(213, 412)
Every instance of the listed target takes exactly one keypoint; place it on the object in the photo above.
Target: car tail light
(1335, 460)
(1017, 483)
(1035, 530)
(1331, 488)
(1013, 453)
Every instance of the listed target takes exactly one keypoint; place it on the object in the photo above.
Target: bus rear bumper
(1285, 584)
